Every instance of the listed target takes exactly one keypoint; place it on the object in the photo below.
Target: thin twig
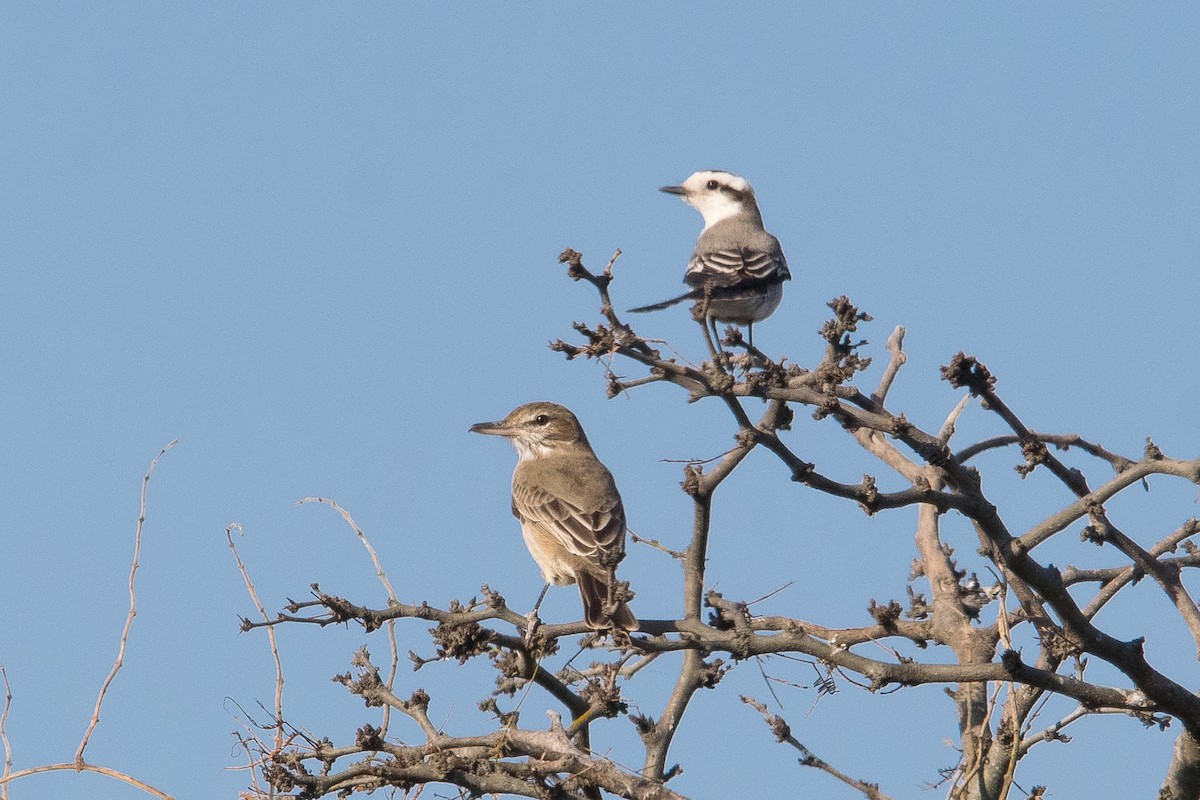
(1053, 732)
(1062, 441)
(4, 734)
(381, 574)
(783, 734)
(82, 766)
(116, 667)
(657, 545)
(253, 764)
(948, 427)
(771, 593)
(612, 261)
(1116, 579)
(895, 346)
(383, 578)
(697, 462)
(278, 722)
(621, 386)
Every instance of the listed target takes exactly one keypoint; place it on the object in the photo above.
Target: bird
(569, 508)
(738, 268)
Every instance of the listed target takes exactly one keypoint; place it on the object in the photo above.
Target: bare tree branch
(277, 722)
(79, 764)
(133, 568)
(783, 733)
(383, 579)
(999, 694)
(4, 778)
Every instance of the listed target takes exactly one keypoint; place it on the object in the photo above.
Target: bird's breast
(552, 558)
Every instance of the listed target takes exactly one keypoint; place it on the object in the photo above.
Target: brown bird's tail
(594, 592)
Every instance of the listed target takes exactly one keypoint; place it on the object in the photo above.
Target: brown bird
(570, 511)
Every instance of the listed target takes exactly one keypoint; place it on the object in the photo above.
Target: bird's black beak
(494, 428)
(679, 190)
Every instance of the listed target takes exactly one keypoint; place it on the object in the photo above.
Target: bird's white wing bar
(728, 267)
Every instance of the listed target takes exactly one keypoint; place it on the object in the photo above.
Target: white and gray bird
(737, 264)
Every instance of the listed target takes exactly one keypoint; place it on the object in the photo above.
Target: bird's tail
(664, 304)
(594, 591)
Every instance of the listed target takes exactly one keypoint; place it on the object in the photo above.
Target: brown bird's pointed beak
(493, 428)
(679, 190)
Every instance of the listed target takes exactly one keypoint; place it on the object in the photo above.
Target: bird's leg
(701, 316)
(708, 339)
(755, 354)
(716, 334)
(532, 616)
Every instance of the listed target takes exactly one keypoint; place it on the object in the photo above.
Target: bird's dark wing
(736, 267)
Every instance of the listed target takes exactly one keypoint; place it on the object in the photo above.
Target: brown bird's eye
(712, 184)
(541, 419)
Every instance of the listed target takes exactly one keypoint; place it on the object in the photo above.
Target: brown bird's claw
(621, 639)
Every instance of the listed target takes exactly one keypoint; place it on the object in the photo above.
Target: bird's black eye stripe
(541, 419)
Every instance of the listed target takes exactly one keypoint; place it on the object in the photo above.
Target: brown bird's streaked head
(537, 429)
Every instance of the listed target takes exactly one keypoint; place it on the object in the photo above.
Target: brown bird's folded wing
(575, 504)
(596, 535)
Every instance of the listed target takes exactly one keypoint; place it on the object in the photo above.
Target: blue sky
(315, 243)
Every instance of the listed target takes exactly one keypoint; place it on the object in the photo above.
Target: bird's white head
(716, 195)
(537, 429)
